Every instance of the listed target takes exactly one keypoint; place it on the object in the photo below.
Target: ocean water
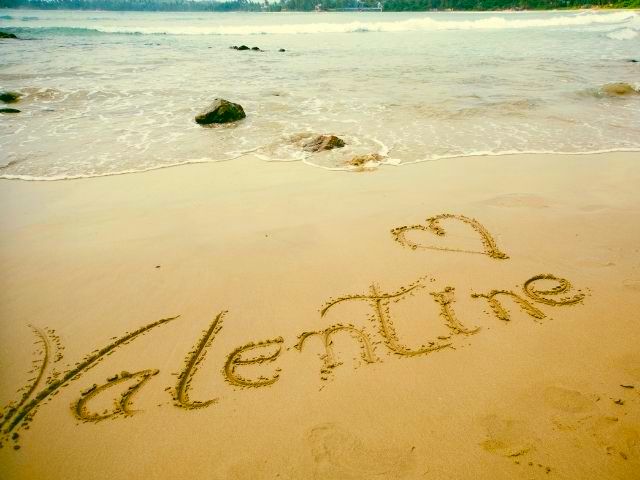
(116, 92)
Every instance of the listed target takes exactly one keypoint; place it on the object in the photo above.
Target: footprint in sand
(614, 432)
(602, 425)
(338, 454)
(568, 401)
(617, 437)
(572, 408)
(619, 434)
(506, 437)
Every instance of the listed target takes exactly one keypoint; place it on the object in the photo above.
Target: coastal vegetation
(308, 5)
(135, 5)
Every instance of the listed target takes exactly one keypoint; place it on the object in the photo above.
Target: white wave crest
(412, 24)
(623, 34)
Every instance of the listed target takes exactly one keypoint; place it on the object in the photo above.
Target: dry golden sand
(470, 318)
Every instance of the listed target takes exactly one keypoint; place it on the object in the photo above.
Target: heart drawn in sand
(433, 225)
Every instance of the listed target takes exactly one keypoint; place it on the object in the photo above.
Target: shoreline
(423, 375)
(374, 166)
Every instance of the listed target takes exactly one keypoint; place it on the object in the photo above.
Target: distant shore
(235, 7)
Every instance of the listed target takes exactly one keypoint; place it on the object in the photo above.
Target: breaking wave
(623, 34)
(408, 25)
(66, 31)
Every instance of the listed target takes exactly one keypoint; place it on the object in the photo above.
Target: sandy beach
(468, 318)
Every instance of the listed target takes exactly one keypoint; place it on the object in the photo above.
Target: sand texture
(468, 318)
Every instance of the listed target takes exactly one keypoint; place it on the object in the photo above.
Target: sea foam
(416, 24)
(623, 34)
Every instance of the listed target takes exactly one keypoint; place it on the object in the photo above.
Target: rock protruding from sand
(619, 89)
(9, 97)
(7, 35)
(361, 160)
(221, 111)
(323, 142)
(9, 110)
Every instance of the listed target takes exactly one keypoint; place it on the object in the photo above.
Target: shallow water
(113, 92)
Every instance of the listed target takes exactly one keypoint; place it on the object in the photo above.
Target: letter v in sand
(17, 416)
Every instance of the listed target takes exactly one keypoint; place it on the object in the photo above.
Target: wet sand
(468, 318)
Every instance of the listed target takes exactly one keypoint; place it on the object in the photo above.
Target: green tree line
(135, 5)
(308, 5)
(427, 5)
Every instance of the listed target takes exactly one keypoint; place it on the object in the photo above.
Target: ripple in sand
(632, 283)
(518, 200)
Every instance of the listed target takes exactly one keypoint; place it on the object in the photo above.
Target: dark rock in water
(221, 111)
(633, 60)
(323, 142)
(9, 97)
(244, 47)
(9, 110)
(7, 35)
(619, 89)
(282, 50)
